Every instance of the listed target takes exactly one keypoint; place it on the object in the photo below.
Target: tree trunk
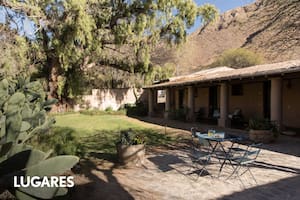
(53, 73)
(53, 70)
(52, 67)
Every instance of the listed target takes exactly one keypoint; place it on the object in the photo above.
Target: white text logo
(36, 181)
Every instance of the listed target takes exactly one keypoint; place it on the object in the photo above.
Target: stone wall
(102, 99)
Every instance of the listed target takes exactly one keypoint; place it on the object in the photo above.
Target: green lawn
(95, 135)
(86, 125)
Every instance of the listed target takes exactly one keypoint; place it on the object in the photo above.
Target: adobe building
(270, 91)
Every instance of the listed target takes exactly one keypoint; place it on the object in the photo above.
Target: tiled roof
(226, 73)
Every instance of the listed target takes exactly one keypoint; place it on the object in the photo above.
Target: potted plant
(262, 130)
(130, 148)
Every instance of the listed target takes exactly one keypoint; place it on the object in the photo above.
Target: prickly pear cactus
(23, 114)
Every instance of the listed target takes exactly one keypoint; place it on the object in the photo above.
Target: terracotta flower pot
(131, 154)
(264, 136)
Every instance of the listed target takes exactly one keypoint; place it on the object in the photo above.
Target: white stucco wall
(104, 98)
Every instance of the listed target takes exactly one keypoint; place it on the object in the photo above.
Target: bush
(61, 140)
(109, 109)
(262, 124)
(103, 112)
(129, 137)
(120, 112)
(238, 58)
(92, 112)
(138, 109)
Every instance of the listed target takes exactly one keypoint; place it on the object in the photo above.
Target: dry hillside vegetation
(268, 27)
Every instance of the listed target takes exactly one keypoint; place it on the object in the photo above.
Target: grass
(86, 125)
(95, 135)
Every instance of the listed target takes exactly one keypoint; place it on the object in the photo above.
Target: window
(237, 90)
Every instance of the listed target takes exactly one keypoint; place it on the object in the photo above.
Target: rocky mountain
(268, 27)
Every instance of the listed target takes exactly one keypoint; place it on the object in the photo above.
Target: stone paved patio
(165, 175)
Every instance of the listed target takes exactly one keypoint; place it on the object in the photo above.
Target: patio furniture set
(209, 145)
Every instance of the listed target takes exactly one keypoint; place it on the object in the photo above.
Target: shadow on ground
(102, 144)
(283, 144)
(264, 165)
(164, 162)
(104, 187)
(287, 189)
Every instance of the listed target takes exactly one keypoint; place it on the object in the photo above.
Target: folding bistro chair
(194, 137)
(242, 160)
(201, 156)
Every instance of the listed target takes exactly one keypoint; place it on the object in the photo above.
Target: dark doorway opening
(267, 99)
(181, 98)
(213, 101)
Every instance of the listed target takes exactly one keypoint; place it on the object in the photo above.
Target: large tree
(13, 48)
(72, 35)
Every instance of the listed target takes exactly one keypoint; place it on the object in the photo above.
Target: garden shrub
(138, 109)
(92, 112)
(61, 140)
(103, 112)
(238, 58)
(109, 109)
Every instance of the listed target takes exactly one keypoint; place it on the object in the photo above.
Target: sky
(222, 5)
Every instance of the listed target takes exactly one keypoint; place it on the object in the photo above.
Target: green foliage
(138, 109)
(23, 109)
(14, 52)
(128, 137)
(158, 73)
(238, 58)
(208, 13)
(109, 77)
(103, 142)
(262, 124)
(73, 35)
(22, 116)
(86, 125)
(62, 141)
(98, 133)
(108, 111)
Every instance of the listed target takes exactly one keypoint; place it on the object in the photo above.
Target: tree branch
(114, 49)
(22, 8)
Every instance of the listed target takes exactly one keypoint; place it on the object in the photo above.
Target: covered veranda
(265, 91)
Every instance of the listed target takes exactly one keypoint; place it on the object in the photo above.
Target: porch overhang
(254, 72)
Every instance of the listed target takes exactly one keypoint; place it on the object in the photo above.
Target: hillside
(268, 27)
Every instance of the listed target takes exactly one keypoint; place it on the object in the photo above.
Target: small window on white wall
(161, 96)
